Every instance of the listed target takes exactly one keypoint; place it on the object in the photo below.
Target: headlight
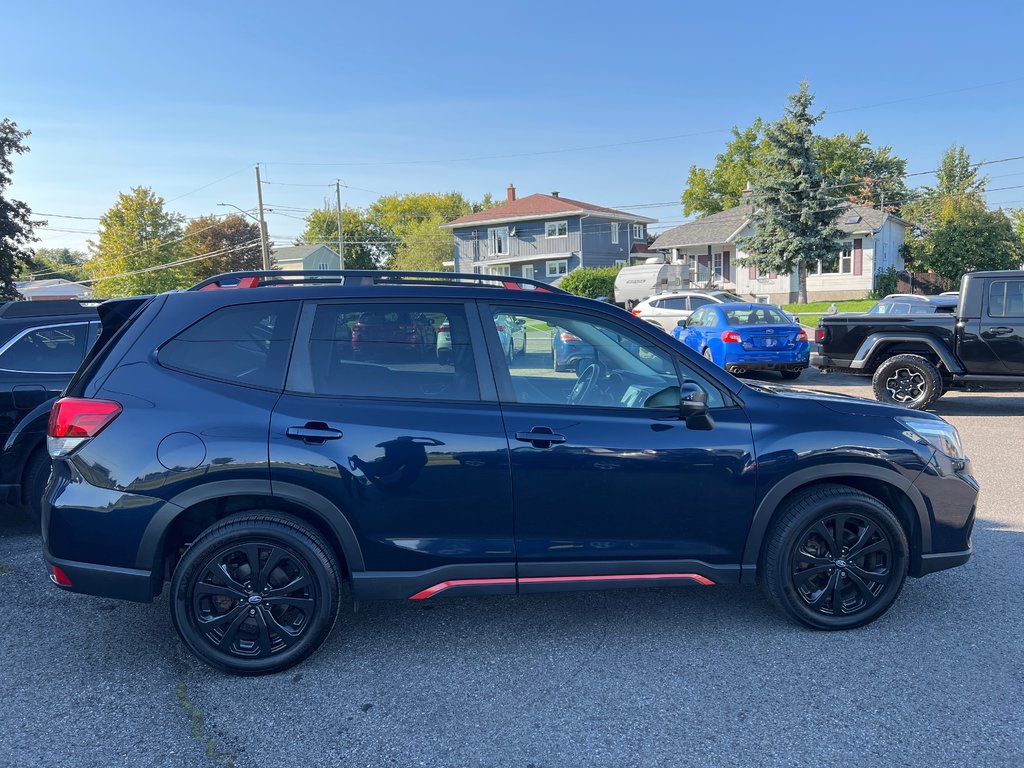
(937, 433)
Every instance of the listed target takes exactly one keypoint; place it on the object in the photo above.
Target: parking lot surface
(674, 677)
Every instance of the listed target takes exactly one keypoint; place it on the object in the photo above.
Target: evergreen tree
(16, 225)
(795, 212)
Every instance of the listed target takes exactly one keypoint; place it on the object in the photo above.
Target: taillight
(73, 420)
(731, 337)
(57, 576)
(444, 328)
(566, 336)
(501, 328)
(801, 335)
(636, 313)
(819, 335)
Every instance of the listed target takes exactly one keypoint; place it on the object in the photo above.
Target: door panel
(398, 438)
(610, 478)
(1002, 325)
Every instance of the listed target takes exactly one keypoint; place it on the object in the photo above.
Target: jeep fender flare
(866, 351)
(835, 473)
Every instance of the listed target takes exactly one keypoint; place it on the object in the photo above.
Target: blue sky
(178, 96)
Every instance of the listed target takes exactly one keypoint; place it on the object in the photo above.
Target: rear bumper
(762, 366)
(942, 561)
(826, 363)
(103, 580)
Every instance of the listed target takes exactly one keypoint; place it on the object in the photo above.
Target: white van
(635, 283)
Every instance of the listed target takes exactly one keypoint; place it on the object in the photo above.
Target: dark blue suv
(234, 441)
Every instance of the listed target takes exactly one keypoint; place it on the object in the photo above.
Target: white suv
(667, 309)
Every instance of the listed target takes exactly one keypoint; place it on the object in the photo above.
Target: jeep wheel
(907, 380)
(835, 559)
(255, 593)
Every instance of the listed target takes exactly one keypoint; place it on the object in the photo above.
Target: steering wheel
(588, 377)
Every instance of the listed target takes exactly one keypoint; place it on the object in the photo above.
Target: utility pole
(264, 245)
(341, 232)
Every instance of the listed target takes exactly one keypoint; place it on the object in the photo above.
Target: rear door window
(1006, 298)
(243, 344)
(46, 349)
(395, 351)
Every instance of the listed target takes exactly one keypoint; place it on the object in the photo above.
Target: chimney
(554, 194)
(511, 193)
(747, 191)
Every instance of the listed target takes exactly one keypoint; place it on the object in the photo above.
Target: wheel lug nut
(252, 611)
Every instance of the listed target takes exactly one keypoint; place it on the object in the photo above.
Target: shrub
(591, 282)
(886, 281)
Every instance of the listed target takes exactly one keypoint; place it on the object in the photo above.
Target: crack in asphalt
(206, 739)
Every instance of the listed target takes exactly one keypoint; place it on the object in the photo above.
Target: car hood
(846, 404)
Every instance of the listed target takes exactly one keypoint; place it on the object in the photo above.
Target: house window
(615, 232)
(497, 239)
(528, 271)
(323, 266)
(839, 265)
(716, 267)
(620, 262)
(762, 299)
(556, 229)
(639, 232)
(556, 268)
(501, 269)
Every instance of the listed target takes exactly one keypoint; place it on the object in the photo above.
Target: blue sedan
(746, 337)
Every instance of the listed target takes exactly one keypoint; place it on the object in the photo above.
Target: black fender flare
(866, 352)
(152, 543)
(28, 434)
(837, 473)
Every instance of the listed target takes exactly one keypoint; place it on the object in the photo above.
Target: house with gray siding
(545, 237)
(711, 247)
(308, 258)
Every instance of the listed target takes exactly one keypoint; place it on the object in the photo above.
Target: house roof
(298, 252)
(540, 206)
(723, 227)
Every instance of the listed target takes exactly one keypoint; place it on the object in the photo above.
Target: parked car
(667, 309)
(510, 329)
(746, 337)
(914, 359)
(381, 332)
(42, 344)
(911, 304)
(257, 484)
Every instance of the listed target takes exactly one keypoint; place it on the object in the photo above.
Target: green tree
(861, 173)
(794, 215)
(140, 245)
(53, 263)
(972, 239)
(16, 225)
(424, 247)
(367, 244)
(413, 221)
(710, 190)
(233, 239)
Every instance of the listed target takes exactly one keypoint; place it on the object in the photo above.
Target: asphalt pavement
(674, 677)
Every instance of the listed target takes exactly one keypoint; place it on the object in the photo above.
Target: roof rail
(43, 308)
(367, 277)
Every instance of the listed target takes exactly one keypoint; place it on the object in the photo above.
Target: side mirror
(693, 407)
(683, 323)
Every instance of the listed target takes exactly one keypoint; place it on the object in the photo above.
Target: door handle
(999, 330)
(540, 437)
(313, 433)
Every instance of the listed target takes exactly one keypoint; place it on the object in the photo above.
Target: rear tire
(790, 375)
(836, 558)
(907, 380)
(255, 593)
(33, 484)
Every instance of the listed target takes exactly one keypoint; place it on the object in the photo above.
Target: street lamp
(264, 245)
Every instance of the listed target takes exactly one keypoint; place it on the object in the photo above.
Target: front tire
(907, 380)
(255, 593)
(835, 559)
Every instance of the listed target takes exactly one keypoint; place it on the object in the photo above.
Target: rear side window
(678, 303)
(242, 344)
(396, 351)
(1006, 298)
(698, 301)
(47, 349)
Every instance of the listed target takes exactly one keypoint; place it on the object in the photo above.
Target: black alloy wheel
(835, 559)
(255, 593)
